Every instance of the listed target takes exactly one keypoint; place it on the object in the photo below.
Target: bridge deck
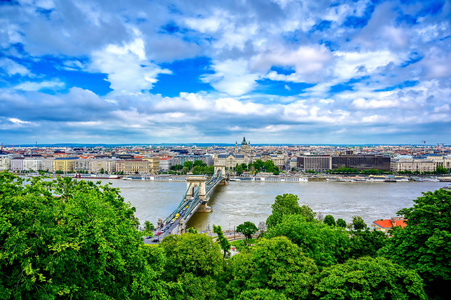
(187, 207)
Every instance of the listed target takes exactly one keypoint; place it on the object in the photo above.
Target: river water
(251, 201)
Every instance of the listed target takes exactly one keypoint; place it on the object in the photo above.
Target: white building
(165, 164)
(32, 164)
(107, 165)
(47, 164)
(17, 164)
(5, 162)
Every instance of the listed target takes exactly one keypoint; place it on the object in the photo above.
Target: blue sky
(280, 71)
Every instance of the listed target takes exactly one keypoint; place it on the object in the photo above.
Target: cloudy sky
(280, 71)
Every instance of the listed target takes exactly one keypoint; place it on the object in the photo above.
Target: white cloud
(13, 68)
(231, 77)
(308, 63)
(374, 104)
(18, 121)
(37, 86)
(127, 67)
(355, 64)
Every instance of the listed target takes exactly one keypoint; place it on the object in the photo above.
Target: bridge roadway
(196, 196)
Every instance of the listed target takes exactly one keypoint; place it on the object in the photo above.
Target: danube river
(251, 201)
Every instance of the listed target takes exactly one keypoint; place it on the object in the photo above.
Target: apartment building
(65, 164)
(32, 164)
(317, 163)
(5, 162)
(133, 166)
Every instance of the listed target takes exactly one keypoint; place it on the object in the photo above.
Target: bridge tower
(220, 168)
(194, 181)
(223, 174)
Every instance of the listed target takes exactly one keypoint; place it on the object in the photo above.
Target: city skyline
(175, 72)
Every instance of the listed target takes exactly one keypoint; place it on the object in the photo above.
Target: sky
(195, 71)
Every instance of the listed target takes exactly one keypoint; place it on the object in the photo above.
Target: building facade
(133, 166)
(317, 163)
(154, 164)
(32, 164)
(180, 159)
(108, 166)
(362, 162)
(5, 162)
(165, 164)
(230, 160)
(413, 165)
(65, 164)
(17, 164)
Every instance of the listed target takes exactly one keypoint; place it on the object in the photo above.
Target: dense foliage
(425, 243)
(369, 278)
(288, 204)
(326, 245)
(274, 264)
(72, 239)
(247, 229)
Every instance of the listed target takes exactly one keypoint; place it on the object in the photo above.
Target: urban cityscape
(239, 149)
(286, 160)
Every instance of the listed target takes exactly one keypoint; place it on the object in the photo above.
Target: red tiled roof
(387, 223)
(384, 223)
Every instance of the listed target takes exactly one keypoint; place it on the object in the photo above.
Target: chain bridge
(196, 198)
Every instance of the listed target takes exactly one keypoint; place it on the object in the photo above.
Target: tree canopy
(324, 244)
(72, 239)
(329, 220)
(276, 264)
(288, 204)
(358, 223)
(425, 243)
(222, 240)
(247, 228)
(369, 278)
(191, 253)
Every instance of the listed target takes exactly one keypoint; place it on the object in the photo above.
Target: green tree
(329, 220)
(248, 229)
(441, 170)
(244, 166)
(238, 170)
(366, 242)
(288, 204)
(70, 238)
(193, 230)
(188, 165)
(191, 253)
(199, 163)
(324, 244)
(269, 166)
(358, 223)
(425, 243)
(258, 165)
(275, 264)
(369, 278)
(189, 286)
(176, 167)
(341, 223)
(148, 227)
(262, 294)
(223, 242)
(193, 265)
